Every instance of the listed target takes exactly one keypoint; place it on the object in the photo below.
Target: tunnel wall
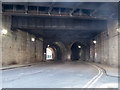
(106, 46)
(119, 49)
(0, 45)
(87, 53)
(0, 38)
(63, 50)
(17, 47)
(113, 42)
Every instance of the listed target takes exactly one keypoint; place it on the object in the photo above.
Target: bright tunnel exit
(49, 53)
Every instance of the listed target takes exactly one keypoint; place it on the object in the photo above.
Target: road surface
(60, 75)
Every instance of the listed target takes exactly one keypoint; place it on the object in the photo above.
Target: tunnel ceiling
(61, 20)
(59, 28)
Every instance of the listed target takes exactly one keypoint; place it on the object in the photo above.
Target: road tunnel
(79, 36)
(58, 50)
(77, 50)
(50, 54)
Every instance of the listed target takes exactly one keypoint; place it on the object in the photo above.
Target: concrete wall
(87, 53)
(106, 47)
(0, 35)
(0, 45)
(113, 42)
(92, 52)
(119, 49)
(17, 47)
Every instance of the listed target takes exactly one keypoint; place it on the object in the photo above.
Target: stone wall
(106, 48)
(0, 44)
(119, 49)
(17, 47)
(113, 42)
(0, 50)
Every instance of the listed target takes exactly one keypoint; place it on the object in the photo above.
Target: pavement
(14, 66)
(57, 75)
(110, 71)
(18, 66)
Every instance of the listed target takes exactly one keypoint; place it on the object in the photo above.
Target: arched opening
(58, 53)
(49, 53)
(55, 51)
(61, 51)
(77, 51)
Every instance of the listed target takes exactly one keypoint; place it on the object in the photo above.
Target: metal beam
(26, 9)
(14, 8)
(46, 15)
(60, 11)
(51, 7)
(76, 7)
(80, 13)
(58, 28)
(37, 9)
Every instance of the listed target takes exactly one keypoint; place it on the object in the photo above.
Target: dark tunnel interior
(77, 51)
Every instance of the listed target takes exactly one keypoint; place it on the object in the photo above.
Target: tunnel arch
(77, 51)
(50, 53)
(58, 49)
(63, 50)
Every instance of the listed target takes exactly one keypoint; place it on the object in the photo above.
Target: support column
(68, 55)
(92, 52)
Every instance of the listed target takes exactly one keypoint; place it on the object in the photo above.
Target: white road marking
(94, 79)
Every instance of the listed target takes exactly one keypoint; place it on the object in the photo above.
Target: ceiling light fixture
(4, 31)
(79, 46)
(94, 42)
(118, 29)
(33, 39)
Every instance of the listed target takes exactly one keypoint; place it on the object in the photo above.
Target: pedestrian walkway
(16, 66)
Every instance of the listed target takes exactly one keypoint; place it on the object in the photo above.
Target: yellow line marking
(95, 78)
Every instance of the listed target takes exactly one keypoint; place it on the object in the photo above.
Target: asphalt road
(60, 75)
